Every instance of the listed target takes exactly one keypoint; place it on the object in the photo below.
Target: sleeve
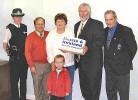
(68, 82)
(49, 50)
(99, 39)
(28, 50)
(7, 36)
(49, 82)
(131, 43)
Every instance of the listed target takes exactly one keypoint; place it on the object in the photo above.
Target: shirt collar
(84, 22)
(38, 33)
(112, 30)
(18, 26)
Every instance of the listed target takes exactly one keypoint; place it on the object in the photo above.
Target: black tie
(41, 35)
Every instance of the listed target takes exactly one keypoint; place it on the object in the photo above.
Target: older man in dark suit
(91, 62)
(119, 51)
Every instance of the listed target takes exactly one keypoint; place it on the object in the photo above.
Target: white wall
(125, 9)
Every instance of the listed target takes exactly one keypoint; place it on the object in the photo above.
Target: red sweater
(59, 87)
(35, 49)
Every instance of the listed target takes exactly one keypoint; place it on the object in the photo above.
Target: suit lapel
(116, 34)
(76, 28)
(84, 31)
(106, 33)
(87, 24)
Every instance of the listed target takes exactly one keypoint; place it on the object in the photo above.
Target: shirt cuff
(5, 41)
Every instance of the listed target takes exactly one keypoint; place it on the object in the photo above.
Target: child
(59, 83)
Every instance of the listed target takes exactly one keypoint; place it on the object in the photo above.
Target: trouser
(117, 83)
(56, 98)
(90, 83)
(39, 81)
(18, 71)
(71, 70)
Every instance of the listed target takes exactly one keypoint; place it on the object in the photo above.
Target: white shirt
(8, 34)
(81, 26)
(53, 41)
(58, 72)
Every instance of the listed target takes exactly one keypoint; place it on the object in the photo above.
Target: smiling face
(84, 13)
(59, 63)
(17, 19)
(110, 20)
(39, 25)
(60, 23)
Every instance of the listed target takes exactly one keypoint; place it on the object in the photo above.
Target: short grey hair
(111, 12)
(87, 6)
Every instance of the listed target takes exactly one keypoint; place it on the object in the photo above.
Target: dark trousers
(18, 71)
(56, 98)
(90, 83)
(117, 83)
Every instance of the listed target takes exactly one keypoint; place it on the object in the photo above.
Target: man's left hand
(85, 49)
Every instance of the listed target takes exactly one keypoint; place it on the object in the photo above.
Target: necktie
(41, 35)
(78, 33)
(109, 38)
(80, 30)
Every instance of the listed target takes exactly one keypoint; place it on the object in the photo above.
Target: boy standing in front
(59, 84)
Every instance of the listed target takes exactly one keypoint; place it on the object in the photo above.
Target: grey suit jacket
(93, 33)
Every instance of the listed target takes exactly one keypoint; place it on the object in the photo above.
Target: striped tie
(109, 38)
(81, 28)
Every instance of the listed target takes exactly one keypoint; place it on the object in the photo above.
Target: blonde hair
(59, 56)
(111, 12)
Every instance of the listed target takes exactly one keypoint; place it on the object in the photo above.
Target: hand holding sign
(73, 45)
(85, 49)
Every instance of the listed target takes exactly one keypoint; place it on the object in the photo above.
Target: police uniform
(118, 62)
(17, 61)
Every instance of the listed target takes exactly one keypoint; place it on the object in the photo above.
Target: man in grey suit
(91, 62)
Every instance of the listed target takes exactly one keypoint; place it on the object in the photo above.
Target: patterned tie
(80, 30)
(78, 33)
(109, 38)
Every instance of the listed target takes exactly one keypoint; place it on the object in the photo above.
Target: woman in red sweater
(59, 83)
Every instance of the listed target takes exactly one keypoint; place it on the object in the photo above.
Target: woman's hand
(67, 94)
(64, 51)
(53, 66)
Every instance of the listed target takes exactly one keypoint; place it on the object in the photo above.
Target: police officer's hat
(17, 12)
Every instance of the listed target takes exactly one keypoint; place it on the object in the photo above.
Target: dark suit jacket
(122, 50)
(93, 33)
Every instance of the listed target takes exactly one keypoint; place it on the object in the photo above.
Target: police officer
(119, 51)
(14, 46)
